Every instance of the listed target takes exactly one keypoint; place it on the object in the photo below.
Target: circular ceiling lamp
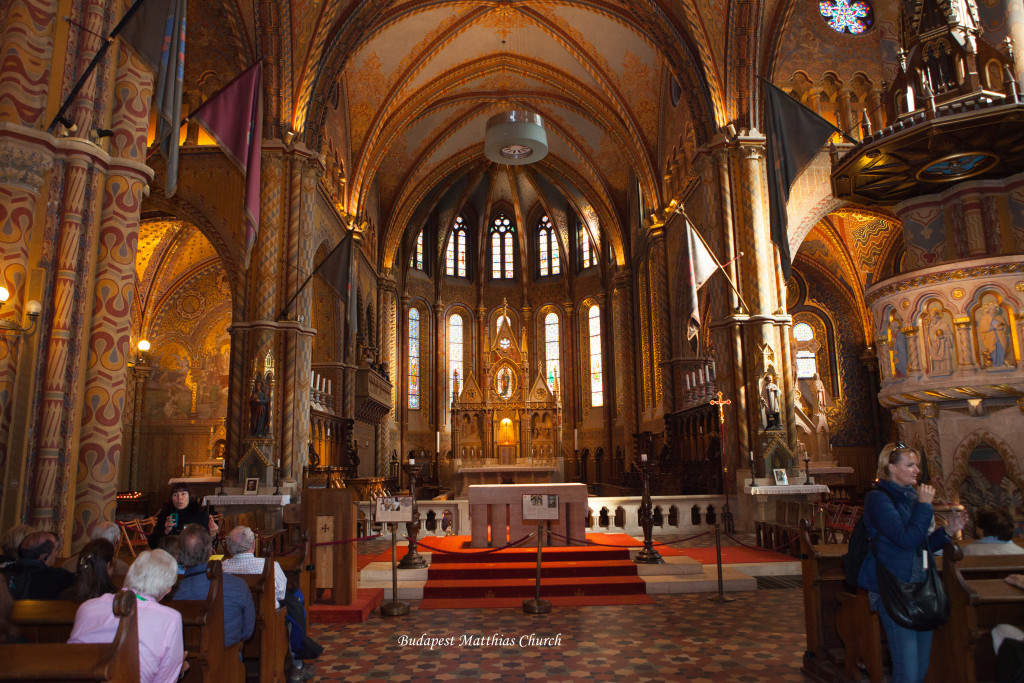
(515, 138)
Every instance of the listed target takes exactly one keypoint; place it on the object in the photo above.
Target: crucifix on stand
(727, 514)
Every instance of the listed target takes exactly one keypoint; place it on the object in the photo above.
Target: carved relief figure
(898, 344)
(939, 337)
(820, 394)
(993, 335)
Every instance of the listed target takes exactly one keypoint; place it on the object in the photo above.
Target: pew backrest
(269, 642)
(115, 661)
(202, 624)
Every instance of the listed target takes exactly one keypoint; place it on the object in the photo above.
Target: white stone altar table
(503, 474)
(499, 507)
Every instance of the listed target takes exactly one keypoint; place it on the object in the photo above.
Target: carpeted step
(524, 588)
(526, 570)
(530, 555)
(555, 600)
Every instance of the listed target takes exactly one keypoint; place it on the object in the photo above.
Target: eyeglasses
(900, 446)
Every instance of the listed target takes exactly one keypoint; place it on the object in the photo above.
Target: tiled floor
(758, 636)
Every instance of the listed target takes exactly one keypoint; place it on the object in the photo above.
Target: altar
(506, 425)
(496, 514)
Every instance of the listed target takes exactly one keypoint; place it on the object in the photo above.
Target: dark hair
(995, 521)
(181, 487)
(37, 544)
(8, 630)
(169, 544)
(93, 577)
(194, 546)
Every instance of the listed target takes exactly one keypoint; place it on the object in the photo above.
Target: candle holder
(648, 555)
(807, 468)
(753, 472)
(412, 559)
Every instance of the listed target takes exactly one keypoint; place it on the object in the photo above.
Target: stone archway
(961, 468)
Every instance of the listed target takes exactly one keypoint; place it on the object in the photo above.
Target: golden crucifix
(721, 407)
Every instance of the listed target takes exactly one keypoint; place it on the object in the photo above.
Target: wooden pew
(203, 632)
(830, 609)
(44, 621)
(979, 599)
(269, 642)
(116, 661)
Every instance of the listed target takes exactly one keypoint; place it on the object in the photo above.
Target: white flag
(701, 265)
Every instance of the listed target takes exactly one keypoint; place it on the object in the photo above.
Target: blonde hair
(890, 455)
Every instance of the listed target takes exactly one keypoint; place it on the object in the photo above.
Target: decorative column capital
(929, 411)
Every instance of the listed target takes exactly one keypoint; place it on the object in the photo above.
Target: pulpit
(330, 517)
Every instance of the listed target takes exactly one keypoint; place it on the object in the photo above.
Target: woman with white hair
(161, 649)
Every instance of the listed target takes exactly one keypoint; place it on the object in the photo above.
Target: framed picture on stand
(780, 478)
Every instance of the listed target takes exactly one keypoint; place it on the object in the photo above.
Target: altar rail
(672, 514)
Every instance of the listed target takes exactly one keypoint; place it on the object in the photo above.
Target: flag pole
(679, 211)
(280, 316)
(100, 53)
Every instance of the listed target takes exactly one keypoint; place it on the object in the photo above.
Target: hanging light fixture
(515, 137)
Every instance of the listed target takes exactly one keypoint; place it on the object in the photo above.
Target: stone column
(913, 349)
(440, 354)
(965, 349)
(933, 449)
(388, 326)
(622, 298)
(141, 376)
(661, 340)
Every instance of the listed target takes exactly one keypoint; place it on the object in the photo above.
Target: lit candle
(575, 439)
(643, 457)
(438, 449)
(751, 457)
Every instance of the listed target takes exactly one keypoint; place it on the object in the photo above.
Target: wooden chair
(842, 529)
(135, 534)
(269, 642)
(115, 661)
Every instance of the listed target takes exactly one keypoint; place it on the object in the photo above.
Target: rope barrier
(612, 545)
(765, 550)
(481, 552)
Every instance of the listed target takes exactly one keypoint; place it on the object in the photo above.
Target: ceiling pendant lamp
(515, 137)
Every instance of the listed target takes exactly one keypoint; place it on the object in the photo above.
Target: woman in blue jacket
(899, 516)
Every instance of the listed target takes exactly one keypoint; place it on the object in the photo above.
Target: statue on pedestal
(770, 394)
(259, 410)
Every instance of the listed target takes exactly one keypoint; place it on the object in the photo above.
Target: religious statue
(314, 457)
(770, 403)
(820, 396)
(940, 343)
(259, 409)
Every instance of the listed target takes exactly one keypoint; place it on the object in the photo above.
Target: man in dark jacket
(33, 576)
(194, 546)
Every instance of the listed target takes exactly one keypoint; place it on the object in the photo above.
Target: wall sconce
(32, 309)
(140, 358)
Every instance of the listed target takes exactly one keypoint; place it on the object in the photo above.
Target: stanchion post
(412, 559)
(721, 596)
(394, 608)
(648, 555)
(536, 605)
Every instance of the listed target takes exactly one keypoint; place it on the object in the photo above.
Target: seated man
(110, 532)
(994, 528)
(241, 542)
(33, 576)
(194, 547)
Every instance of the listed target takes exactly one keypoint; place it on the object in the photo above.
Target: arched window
(414, 359)
(551, 349)
(547, 248)
(588, 256)
(806, 360)
(502, 243)
(455, 366)
(596, 377)
(455, 253)
(416, 259)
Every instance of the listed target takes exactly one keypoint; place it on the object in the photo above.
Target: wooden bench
(116, 661)
(203, 632)
(269, 642)
(979, 599)
(834, 616)
(44, 621)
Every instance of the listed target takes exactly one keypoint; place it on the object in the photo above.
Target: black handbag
(920, 606)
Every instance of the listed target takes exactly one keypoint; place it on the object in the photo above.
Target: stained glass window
(847, 16)
(502, 318)
(548, 248)
(414, 359)
(596, 383)
(416, 260)
(806, 361)
(587, 256)
(455, 252)
(455, 366)
(502, 243)
(551, 348)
